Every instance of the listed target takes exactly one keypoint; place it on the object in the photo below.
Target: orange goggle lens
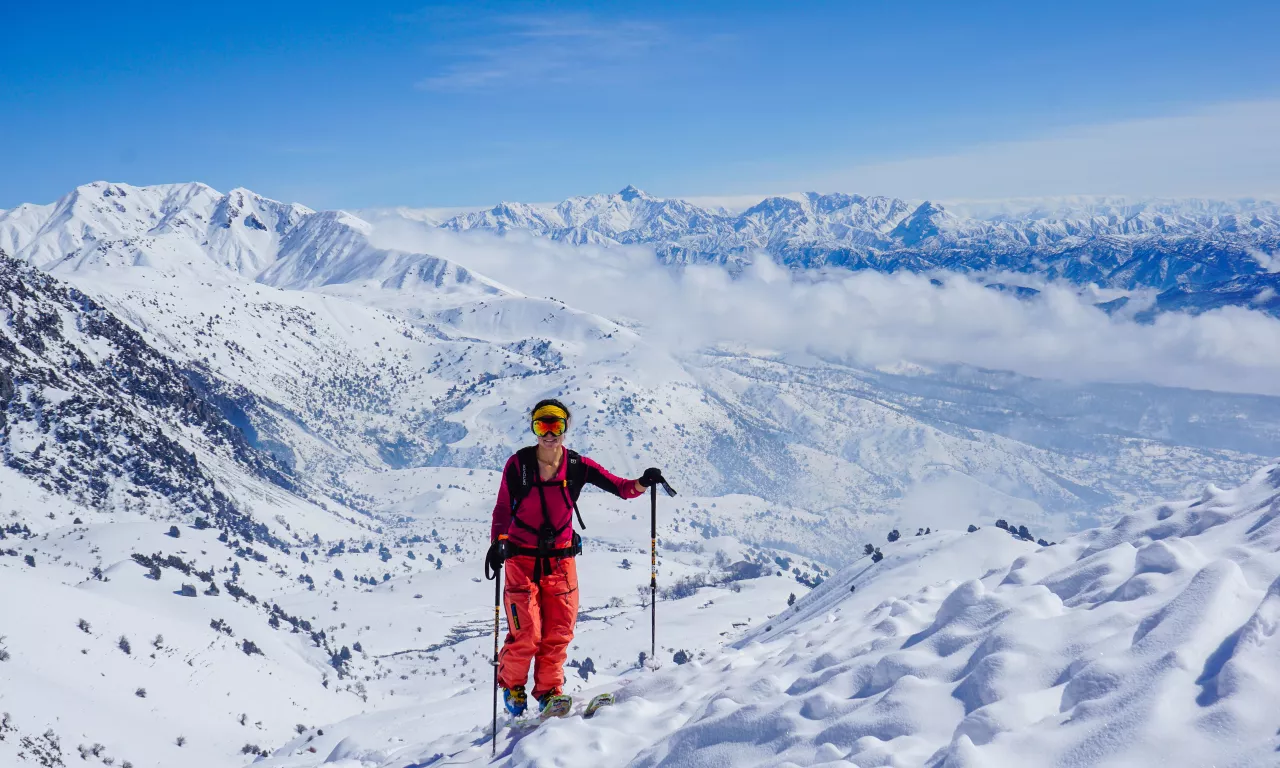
(548, 426)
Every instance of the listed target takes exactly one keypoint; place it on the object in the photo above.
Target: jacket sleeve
(606, 480)
(502, 508)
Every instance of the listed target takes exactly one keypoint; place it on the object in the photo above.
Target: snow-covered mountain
(259, 402)
(1203, 253)
(342, 355)
(91, 412)
(194, 231)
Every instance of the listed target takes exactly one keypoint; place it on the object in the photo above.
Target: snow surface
(1149, 642)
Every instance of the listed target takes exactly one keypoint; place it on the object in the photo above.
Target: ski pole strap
(491, 569)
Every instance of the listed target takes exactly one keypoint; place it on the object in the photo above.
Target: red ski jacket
(558, 505)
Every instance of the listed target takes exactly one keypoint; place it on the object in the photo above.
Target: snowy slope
(433, 377)
(1148, 642)
(367, 617)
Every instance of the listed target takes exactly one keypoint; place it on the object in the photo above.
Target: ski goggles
(549, 425)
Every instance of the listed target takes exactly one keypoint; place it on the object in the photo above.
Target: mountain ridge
(1222, 251)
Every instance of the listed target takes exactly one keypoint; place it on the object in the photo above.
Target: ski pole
(653, 565)
(653, 573)
(497, 602)
(496, 575)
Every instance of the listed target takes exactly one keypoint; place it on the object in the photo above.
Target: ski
(593, 706)
(558, 706)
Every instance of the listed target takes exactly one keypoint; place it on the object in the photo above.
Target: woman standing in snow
(533, 541)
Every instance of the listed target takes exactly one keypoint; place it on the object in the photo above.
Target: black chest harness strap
(529, 477)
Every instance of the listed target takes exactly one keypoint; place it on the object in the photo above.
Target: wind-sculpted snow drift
(1150, 642)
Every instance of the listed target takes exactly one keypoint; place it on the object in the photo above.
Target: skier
(533, 541)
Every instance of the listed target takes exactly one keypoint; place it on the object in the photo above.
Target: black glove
(651, 476)
(499, 551)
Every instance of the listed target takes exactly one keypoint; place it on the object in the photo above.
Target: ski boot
(515, 700)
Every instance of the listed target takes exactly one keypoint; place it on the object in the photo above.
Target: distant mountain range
(1195, 254)
(1175, 255)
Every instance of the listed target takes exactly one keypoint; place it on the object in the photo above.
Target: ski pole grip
(653, 512)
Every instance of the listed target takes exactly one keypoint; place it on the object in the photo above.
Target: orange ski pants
(540, 621)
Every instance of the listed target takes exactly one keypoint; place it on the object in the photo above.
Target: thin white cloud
(1268, 261)
(1225, 150)
(872, 318)
(536, 50)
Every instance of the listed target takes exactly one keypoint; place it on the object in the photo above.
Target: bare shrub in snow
(123, 644)
(46, 750)
(86, 752)
(685, 586)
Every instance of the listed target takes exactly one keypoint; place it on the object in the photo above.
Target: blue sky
(370, 104)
